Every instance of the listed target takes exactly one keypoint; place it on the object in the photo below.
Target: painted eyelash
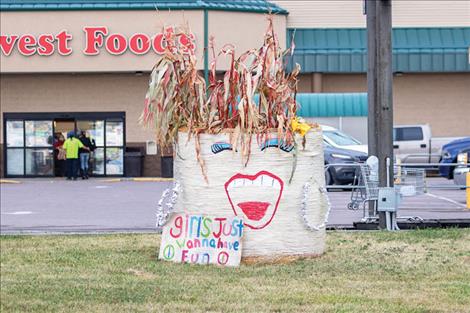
(220, 146)
(274, 143)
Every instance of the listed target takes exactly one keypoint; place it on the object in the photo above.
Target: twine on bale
(303, 208)
(166, 204)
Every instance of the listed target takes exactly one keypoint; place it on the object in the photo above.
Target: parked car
(338, 139)
(341, 175)
(449, 154)
(415, 144)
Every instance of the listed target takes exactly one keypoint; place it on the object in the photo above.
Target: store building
(83, 65)
(431, 57)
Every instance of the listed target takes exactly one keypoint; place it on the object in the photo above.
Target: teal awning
(332, 104)
(261, 6)
(443, 49)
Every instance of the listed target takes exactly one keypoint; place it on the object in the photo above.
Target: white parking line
(447, 199)
(18, 213)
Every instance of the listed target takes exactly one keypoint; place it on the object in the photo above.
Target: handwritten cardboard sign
(202, 239)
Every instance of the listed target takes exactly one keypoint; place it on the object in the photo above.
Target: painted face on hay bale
(259, 193)
(265, 183)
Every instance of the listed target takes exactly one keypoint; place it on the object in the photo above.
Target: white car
(338, 139)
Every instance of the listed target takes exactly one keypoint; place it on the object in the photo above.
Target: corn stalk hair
(175, 97)
(178, 98)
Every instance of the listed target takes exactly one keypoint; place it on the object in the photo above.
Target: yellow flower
(299, 126)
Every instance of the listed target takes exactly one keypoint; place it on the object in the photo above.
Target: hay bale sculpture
(241, 155)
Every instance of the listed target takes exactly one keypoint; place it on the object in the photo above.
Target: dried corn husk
(178, 97)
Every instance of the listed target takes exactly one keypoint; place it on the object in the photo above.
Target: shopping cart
(367, 189)
(410, 181)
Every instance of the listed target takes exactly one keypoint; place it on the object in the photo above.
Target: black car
(337, 174)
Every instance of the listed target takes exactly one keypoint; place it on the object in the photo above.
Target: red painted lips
(256, 197)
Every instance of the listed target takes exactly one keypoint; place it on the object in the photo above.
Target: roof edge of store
(250, 6)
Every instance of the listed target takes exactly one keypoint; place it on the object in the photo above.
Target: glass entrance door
(95, 130)
(108, 134)
(29, 150)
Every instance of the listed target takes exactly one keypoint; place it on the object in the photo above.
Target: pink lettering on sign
(98, 39)
(199, 239)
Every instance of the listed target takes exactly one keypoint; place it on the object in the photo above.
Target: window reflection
(38, 133)
(15, 134)
(114, 161)
(97, 161)
(39, 162)
(15, 162)
(114, 133)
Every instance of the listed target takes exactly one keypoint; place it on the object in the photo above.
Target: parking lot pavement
(55, 205)
(441, 201)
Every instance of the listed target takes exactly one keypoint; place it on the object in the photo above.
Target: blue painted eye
(220, 146)
(275, 143)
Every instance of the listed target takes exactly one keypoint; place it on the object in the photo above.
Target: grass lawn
(409, 271)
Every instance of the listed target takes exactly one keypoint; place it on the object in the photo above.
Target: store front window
(31, 139)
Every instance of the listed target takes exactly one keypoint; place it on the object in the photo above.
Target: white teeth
(261, 180)
(258, 181)
(276, 184)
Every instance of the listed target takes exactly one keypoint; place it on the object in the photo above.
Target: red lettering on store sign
(46, 44)
(27, 45)
(158, 46)
(63, 39)
(116, 44)
(7, 43)
(139, 44)
(94, 38)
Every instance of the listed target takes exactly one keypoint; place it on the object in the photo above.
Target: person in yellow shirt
(71, 147)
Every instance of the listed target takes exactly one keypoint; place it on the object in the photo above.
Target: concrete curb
(138, 179)
(8, 181)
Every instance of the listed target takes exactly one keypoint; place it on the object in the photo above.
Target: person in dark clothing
(88, 146)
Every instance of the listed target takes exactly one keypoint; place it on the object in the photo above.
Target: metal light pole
(379, 88)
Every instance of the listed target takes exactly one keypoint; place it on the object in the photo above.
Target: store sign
(201, 239)
(98, 39)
